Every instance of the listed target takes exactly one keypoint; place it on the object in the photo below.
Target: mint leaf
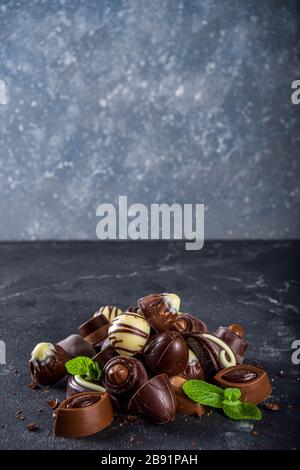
(79, 365)
(204, 393)
(232, 394)
(94, 372)
(239, 410)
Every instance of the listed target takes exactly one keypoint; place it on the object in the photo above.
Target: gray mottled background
(162, 100)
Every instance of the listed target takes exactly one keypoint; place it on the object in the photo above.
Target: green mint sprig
(216, 397)
(85, 367)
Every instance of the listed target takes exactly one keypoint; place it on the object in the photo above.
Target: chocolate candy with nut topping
(187, 323)
(47, 363)
(161, 310)
(166, 353)
(254, 383)
(122, 376)
(155, 400)
(128, 333)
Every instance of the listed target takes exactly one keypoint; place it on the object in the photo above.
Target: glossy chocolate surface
(187, 323)
(158, 311)
(166, 353)
(95, 330)
(155, 400)
(75, 345)
(237, 344)
(185, 406)
(51, 370)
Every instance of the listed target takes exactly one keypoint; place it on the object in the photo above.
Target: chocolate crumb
(281, 373)
(16, 371)
(272, 405)
(32, 427)
(53, 403)
(20, 417)
(34, 386)
(254, 433)
(193, 444)
(40, 410)
(290, 407)
(19, 412)
(209, 413)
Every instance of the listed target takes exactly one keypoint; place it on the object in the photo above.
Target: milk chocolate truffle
(122, 376)
(234, 337)
(185, 406)
(109, 311)
(75, 346)
(128, 333)
(47, 363)
(155, 400)
(254, 384)
(194, 369)
(95, 330)
(83, 414)
(77, 384)
(161, 310)
(187, 323)
(166, 353)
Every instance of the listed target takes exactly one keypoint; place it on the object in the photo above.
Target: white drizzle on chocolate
(43, 353)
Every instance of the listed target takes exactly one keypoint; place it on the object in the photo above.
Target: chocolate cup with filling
(95, 330)
(185, 406)
(187, 323)
(83, 414)
(160, 310)
(75, 346)
(254, 383)
(122, 377)
(77, 384)
(47, 363)
(166, 353)
(155, 400)
(237, 343)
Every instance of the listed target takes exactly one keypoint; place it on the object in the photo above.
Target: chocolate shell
(254, 383)
(77, 385)
(128, 333)
(166, 353)
(161, 310)
(185, 406)
(237, 343)
(75, 346)
(155, 400)
(122, 377)
(194, 370)
(187, 323)
(95, 330)
(83, 414)
(47, 363)
(105, 355)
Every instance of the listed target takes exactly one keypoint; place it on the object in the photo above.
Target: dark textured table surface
(47, 289)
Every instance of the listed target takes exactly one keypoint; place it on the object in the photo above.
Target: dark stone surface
(48, 289)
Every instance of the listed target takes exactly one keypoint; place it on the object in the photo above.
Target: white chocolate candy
(192, 357)
(128, 333)
(225, 352)
(109, 311)
(85, 383)
(172, 300)
(43, 352)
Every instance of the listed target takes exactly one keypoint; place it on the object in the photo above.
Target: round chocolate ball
(128, 333)
(167, 353)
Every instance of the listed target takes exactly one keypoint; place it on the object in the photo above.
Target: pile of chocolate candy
(145, 354)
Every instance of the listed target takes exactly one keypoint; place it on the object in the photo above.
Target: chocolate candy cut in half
(83, 414)
(254, 383)
(185, 406)
(155, 400)
(166, 353)
(47, 363)
(77, 384)
(95, 330)
(161, 310)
